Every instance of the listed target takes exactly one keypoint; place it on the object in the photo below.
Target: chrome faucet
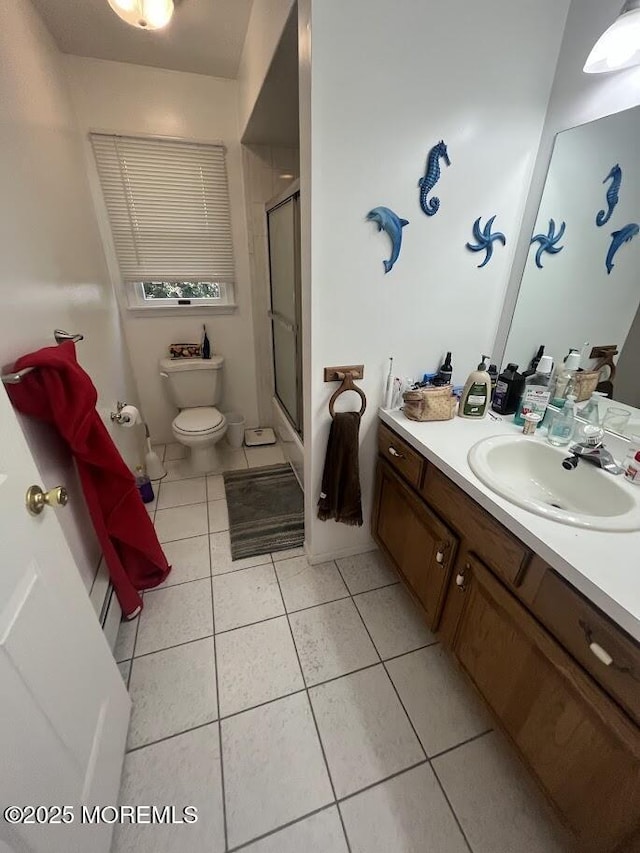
(597, 454)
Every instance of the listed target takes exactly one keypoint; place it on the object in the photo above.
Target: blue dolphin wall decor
(485, 239)
(619, 238)
(388, 221)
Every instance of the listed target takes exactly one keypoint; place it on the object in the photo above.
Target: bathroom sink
(529, 473)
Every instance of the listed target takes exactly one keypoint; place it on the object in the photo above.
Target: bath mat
(266, 510)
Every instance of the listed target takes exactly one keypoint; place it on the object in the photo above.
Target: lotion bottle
(477, 392)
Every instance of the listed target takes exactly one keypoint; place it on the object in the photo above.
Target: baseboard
(338, 554)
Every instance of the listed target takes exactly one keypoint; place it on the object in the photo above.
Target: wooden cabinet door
(420, 546)
(583, 749)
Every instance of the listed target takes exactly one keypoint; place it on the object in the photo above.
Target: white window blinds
(168, 206)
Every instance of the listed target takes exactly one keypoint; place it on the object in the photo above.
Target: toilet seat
(198, 421)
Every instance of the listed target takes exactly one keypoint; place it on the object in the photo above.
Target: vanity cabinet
(419, 545)
(560, 678)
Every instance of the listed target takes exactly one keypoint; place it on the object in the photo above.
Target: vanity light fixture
(619, 46)
(144, 14)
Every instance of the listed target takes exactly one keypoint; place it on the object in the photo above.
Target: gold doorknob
(37, 499)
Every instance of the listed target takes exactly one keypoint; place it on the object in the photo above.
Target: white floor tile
(218, 516)
(331, 641)
(221, 561)
(256, 664)
(366, 571)
(320, 833)
(394, 622)
(179, 469)
(407, 814)
(250, 595)
(182, 492)
(181, 522)
(172, 691)
(215, 487)
(496, 802)
(181, 771)
(365, 732)
(125, 668)
(174, 450)
(443, 709)
(189, 560)
(273, 767)
(232, 459)
(175, 615)
(126, 638)
(287, 554)
(269, 454)
(304, 585)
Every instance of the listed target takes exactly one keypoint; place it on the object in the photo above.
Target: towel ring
(347, 385)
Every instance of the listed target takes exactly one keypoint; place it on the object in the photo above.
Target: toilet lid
(201, 419)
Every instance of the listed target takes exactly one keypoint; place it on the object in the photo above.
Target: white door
(64, 709)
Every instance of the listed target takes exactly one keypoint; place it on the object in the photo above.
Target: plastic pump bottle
(563, 424)
(477, 392)
(537, 391)
(566, 379)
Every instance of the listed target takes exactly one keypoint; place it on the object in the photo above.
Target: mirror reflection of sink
(530, 474)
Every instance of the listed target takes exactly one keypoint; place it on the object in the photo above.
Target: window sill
(179, 310)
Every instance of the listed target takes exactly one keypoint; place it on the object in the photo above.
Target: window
(169, 211)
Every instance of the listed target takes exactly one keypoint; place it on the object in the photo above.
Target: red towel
(61, 393)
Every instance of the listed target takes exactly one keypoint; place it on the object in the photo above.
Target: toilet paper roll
(129, 416)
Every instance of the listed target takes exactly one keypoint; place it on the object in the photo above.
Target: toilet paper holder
(117, 416)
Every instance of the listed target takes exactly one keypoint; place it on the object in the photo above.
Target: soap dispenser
(477, 392)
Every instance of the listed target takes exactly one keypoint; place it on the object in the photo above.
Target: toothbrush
(388, 391)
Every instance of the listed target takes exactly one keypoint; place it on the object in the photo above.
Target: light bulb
(144, 14)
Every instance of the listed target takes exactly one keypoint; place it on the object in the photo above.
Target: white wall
(53, 271)
(384, 88)
(266, 24)
(576, 98)
(133, 99)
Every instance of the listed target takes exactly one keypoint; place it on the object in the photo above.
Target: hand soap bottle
(477, 392)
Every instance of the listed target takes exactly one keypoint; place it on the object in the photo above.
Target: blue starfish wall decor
(431, 178)
(388, 221)
(485, 239)
(615, 176)
(618, 238)
(548, 242)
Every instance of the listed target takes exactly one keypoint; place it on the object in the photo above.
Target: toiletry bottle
(477, 392)
(630, 458)
(632, 470)
(565, 379)
(536, 393)
(144, 485)
(534, 362)
(443, 376)
(508, 391)
(206, 346)
(563, 423)
(493, 373)
(590, 411)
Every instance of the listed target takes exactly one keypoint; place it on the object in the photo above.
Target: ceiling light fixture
(145, 14)
(619, 46)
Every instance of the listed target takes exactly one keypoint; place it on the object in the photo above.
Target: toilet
(194, 385)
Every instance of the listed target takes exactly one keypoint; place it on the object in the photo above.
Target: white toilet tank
(193, 382)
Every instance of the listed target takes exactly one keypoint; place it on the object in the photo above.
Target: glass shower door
(284, 264)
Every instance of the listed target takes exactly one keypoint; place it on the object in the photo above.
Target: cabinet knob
(394, 452)
(440, 556)
(602, 654)
(460, 581)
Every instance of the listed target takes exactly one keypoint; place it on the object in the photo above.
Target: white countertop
(604, 566)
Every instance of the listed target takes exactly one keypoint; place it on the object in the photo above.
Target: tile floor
(304, 709)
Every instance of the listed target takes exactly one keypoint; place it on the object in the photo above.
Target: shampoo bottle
(206, 346)
(537, 391)
(477, 392)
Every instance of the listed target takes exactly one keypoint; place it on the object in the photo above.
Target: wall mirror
(581, 284)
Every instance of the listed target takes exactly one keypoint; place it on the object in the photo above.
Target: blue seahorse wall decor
(485, 239)
(431, 177)
(388, 221)
(618, 238)
(548, 242)
(615, 176)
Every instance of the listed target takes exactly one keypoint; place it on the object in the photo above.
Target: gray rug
(266, 510)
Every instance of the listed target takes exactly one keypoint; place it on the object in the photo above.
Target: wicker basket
(430, 404)
(586, 382)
